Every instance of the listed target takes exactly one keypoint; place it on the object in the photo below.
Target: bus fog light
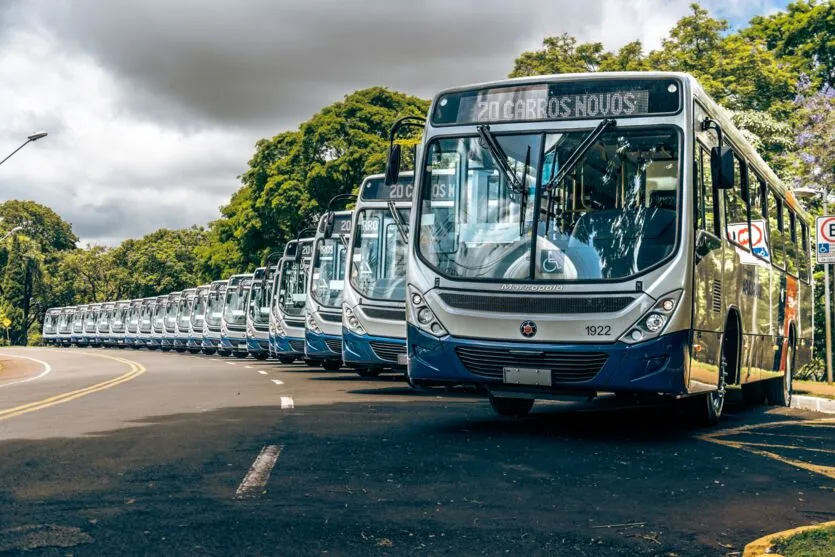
(636, 335)
(437, 329)
(417, 299)
(424, 316)
(654, 322)
(668, 304)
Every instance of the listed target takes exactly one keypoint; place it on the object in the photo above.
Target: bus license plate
(402, 359)
(527, 376)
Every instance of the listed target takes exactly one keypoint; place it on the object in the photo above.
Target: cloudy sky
(153, 107)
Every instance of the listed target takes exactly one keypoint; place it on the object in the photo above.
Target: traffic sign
(825, 250)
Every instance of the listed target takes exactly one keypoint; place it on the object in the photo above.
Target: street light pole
(34, 137)
(827, 305)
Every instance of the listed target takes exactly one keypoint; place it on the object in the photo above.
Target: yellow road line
(715, 437)
(136, 370)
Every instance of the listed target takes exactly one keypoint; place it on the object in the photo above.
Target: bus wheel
(511, 406)
(241, 355)
(286, 359)
(367, 372)
(166, 349)
(194, 350)
(312, 363)
(331, 365)
(708, 408)
(224, 353)
(262, 356)
(209, 351)
(778, 391)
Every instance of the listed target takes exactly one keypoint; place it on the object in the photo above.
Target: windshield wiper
(523, 195)
(499, 157)
(581, 150)
(400, 225)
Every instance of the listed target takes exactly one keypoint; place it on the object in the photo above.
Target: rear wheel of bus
(505, 406)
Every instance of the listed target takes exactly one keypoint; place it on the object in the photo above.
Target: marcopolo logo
(528, 329)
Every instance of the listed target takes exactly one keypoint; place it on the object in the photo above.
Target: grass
(814, 388)
(811, 543)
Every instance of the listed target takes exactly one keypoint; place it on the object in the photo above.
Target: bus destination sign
(575, 100)
(376, 189)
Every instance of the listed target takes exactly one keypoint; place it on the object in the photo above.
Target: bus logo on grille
(528, 329)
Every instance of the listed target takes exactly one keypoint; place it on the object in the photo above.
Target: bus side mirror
(393, 165)
(329, 221)
(722, 167)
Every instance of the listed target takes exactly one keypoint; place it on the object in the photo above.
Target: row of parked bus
(571, 236)
(297, 307)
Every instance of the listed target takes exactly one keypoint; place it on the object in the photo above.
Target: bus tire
(516, 407)
(331, 365)
(241, 355)
(224, 353)
(707, 409)
(367, 372)
(286, 359)
(778, 391)
(262, 356)
(166, 349)
(209, 351)
(312, 363)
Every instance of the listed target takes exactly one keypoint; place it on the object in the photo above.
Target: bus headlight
(350, 320)
(250, 330)
(311, 322)
(422, 316)
(654, 321)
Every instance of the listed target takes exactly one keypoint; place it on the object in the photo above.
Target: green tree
(292, 177)
(22, 287)
(86, 276)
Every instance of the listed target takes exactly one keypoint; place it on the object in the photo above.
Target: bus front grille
(297, 345)
(566, 366)
(391, 314)
(388, 350)
(332, 317)
(535, 304)
(334, 344)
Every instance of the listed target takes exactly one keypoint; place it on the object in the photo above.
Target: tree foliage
(292, 177)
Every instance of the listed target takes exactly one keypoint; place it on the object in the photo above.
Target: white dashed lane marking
(255, 480)
(278, 381)
(262, 372)
(286, 402)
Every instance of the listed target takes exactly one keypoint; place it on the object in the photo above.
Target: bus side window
(706, 205)
(775, 228)
(803, 252)
(756, 213)
(790, 228)
(736, 212)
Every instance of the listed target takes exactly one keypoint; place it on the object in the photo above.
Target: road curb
(760, 547)
(813, 403)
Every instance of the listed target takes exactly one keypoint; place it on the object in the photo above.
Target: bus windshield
(291, 298)
(614, 214)
(90, 321)
(259, 304)
(104, 319)
(117, 323)
(49, 323)
(214, 309)
(234, 310)
(329, 272)
(145, 317)
(198, 314)
(378, 263)
(159, 315)
(184, 312)
(171, 314)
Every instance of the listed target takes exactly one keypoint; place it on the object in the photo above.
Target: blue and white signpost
(825, 255)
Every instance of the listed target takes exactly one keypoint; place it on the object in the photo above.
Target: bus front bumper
(654, 366)
(233, 344)
(284, 346)
(258, 345)
(373, 351)
(316, 346)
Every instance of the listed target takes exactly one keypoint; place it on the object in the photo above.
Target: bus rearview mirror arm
(393, 158)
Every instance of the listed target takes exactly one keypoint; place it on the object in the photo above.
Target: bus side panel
(805, 328)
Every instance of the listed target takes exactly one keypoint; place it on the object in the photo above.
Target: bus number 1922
(598, 330)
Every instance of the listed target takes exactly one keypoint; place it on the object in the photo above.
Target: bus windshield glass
(214, 309)
(234, 310)
(184, 312)
(117, 323)
(259, 304)
(612, 216)
(291, 298)
(378, 263)
(145, 317)
(171, 314)
(49, 325)
(328, 279)
(198, 314)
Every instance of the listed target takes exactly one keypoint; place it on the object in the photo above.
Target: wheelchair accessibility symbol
(552, 261)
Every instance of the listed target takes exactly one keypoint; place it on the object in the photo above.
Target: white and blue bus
(603, 233)
(49, 333)
(77, 335)
(233, 324)
(146, 322)
(64, 334)
(289, 300)
(169, 331)
(214, 316)
(325, 283)
(132, 324)
(374, 300)
(158, 323)
(183, 322)
(91, 320)
(258, 313)
(103, 338)
(197, 319)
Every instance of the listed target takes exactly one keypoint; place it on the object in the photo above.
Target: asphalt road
(119, 452)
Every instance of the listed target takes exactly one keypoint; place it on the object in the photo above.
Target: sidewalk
(815, 396)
